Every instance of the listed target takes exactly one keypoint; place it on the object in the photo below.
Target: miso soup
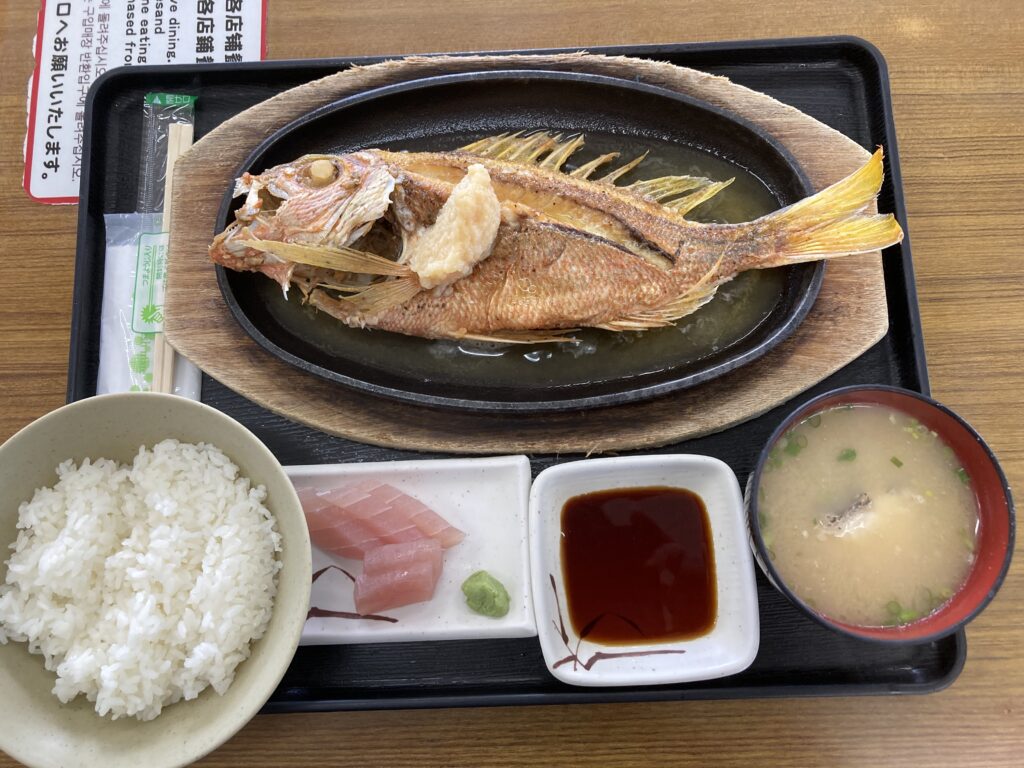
(868, 516)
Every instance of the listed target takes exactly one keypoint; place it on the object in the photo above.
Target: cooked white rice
(142, 585)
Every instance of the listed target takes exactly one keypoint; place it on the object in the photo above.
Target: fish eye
(322, 172)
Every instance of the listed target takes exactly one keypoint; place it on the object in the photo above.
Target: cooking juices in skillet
(868, 515)
(638, 566)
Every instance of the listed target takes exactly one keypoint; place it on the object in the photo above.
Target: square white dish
(486, 499)
(729, 647)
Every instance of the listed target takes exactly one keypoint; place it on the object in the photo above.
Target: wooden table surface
(957, 71)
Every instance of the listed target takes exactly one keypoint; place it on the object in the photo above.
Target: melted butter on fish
(462, 235)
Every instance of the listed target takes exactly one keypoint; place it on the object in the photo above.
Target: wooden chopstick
(179, 139)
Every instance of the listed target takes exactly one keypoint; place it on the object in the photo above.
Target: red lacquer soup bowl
(994, 545)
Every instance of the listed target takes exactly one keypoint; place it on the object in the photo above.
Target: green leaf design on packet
(139, 362)
(847, 454)
(151, 313)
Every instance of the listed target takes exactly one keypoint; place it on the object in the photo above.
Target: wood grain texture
(848, 317)
(958, 89)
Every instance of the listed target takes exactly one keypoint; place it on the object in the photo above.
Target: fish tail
(834, 222)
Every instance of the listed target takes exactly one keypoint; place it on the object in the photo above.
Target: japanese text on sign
(79, 40)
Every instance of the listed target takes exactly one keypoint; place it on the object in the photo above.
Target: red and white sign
(78, 40)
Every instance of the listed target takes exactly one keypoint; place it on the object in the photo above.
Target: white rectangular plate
(729, 647)
(485, 498)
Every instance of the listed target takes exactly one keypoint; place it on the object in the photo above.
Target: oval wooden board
(849, 316)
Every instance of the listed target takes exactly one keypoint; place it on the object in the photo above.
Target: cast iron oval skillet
(442, 113)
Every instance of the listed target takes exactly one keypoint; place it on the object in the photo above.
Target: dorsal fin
(684, 205)
(489, 145)
(551, 151)
(664, 187)
(557, 157)
(661, 191)
(622, 170)
(528, 149)
(531, 148)
(584, 171)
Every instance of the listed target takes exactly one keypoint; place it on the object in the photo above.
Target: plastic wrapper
(126, 362)
(160, 110)
(135, 264)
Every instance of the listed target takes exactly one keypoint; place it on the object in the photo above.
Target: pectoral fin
(339, 259)
(369, 302)
(380, 297)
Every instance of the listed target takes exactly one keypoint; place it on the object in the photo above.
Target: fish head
(320, 199)
(325, 200)
(333, 200)
(304, 176)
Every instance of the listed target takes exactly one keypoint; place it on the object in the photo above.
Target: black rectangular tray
(841, 81)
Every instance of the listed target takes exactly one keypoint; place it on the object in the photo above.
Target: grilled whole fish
(495, 241)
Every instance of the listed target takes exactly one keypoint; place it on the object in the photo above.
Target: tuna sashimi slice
(364, 508)
(348, 492)
(392, 557)
(317, 510)
(332, 531)
(348, 538)
(362, 497)
(386, 494)
(393, 516)
(394, 526)
(413, 583)
(418, 514)
(436, 527)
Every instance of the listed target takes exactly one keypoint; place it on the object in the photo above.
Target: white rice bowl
(142, 585)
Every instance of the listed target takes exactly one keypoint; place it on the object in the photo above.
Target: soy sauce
(638, 565)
